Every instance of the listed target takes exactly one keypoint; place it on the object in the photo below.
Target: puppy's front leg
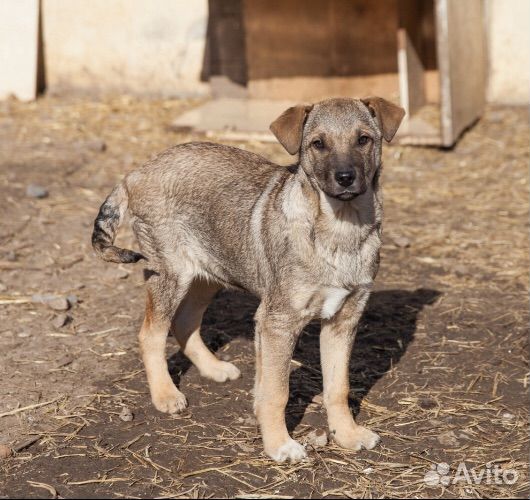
(276, 337)
(336, 341)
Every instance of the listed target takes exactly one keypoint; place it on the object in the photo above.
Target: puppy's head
(339, 141)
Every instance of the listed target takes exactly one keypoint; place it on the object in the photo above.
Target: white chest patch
(333, 300)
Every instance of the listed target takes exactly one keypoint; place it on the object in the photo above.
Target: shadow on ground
(386, 329)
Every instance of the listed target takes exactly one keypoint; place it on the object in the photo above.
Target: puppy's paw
(221, 372)
(169, 400)
(289, 451)
(356, 438)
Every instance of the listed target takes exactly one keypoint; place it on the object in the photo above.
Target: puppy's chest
(337, 272)
(351, 261)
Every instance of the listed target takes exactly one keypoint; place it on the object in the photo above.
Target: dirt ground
(440, 365)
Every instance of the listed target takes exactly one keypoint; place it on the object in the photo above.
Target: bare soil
(440, 365)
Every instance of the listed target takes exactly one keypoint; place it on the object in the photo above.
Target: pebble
(126, 414)
(72, 299)
(5, 451)
(11, 256)
(36, 191)
(401, 241)
(250, 420)
(246, 448)
(96, 145)
(507, 418)
(3, 287)
(461, 270)
(448, 438)
(60, 320)
(55, 302)
(117, 273)
(427, 403)
(317, 438)
(59, 304)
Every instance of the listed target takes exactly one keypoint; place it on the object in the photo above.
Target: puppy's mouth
(346, 195)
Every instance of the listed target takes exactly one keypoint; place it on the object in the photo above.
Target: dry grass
(440, 367)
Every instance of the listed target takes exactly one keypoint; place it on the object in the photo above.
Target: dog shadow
(385, 331)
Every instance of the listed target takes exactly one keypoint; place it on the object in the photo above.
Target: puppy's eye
(363, 140)
(317, 144)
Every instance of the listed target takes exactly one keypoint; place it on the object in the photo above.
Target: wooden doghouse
(427, 54)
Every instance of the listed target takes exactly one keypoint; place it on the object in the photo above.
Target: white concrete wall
(508, 31)
(18, 48)
(140, 46)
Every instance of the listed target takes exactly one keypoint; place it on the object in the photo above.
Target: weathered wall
(18, 48)
(141, 46)
(508, 26)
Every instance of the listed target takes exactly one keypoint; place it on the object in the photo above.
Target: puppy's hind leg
(186, 328)
(163, 298)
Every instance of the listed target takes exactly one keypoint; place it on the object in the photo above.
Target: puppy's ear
(289, 126)
(387, 114)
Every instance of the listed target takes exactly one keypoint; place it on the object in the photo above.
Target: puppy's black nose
(346, 178)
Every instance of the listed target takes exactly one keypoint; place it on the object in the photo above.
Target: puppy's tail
(106, 225)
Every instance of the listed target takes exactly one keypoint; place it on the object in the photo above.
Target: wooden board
(315, 38)
(19, 22)
(311, 89)
(462, 64)
(411, 74)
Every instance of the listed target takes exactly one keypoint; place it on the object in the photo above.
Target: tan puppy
(305, 239)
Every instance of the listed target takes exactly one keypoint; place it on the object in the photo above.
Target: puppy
(305, 239)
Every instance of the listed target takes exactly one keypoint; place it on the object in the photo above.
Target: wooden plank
(311, 89)
(411, 74)
(315, 38)
(19, 21)
(462, 64)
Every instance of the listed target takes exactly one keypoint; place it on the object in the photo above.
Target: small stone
(23, 335)
(117, 273)
(72, 299)
(3, 287)
(448, 438)
(461, 270)
(368, 470)
(246, 448)
(401, 241)
(250, 420)
(36, 191)
(5, 451)
(11, 256)
(64, 361)
(317, 438)
(122, 274)
(59, 304)
(507, 419)
(44, 298)
(126, 414)
(96, 145)
(427, 403)
(60, 320)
